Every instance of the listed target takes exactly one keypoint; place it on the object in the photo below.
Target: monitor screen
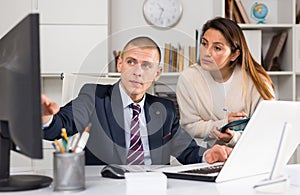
(20, 102)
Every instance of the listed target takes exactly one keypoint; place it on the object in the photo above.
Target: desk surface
(97, 184)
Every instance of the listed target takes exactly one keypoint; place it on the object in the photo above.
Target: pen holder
(69, 171)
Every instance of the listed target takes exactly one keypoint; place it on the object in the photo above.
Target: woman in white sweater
(226, 86)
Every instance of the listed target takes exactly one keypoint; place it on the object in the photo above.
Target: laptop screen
(258, 147)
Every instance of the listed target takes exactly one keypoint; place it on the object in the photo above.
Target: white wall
(15, 11)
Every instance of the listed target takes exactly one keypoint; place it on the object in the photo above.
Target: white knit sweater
(203, 102)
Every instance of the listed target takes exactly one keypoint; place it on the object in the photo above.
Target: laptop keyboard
(205, 170)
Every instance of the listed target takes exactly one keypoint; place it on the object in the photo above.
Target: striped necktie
(135, 154)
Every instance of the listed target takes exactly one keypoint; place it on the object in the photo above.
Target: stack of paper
(146, 183)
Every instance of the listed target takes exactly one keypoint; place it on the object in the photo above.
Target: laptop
(267, 143)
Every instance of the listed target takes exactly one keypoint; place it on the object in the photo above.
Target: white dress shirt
(142, 119)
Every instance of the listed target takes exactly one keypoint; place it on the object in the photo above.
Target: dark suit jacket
(102, 106)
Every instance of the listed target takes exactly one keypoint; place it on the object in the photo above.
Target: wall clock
(162, 13)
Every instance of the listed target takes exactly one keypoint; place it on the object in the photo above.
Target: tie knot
(136, 108)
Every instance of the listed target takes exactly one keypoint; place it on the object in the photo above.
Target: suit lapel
(115, 116)
(155, 115)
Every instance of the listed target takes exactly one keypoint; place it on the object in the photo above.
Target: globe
(259, 11)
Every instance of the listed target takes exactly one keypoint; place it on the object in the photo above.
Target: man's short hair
(143, 42)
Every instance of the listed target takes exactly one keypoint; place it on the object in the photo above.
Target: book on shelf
(298, 17)
(170, 60)
(232, 11)
(173, 65)
(173, 58)
(229, 9)
(192, 55)
(271, 60)
(235, 11)
(180, 58)
(242, 11)
(167, 57)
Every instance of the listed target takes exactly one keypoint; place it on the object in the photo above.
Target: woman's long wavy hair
(236, 39)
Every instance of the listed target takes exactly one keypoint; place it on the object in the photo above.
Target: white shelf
(265, 26)
(279, 73)
(51, 75)
(170, 74)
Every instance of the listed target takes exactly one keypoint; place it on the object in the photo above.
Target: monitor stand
(24, 182)
(277, 182)
(15, 182)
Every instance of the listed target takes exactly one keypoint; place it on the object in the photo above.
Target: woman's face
(215, 52)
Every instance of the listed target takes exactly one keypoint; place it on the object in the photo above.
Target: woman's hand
(233, 116)
(226, 136)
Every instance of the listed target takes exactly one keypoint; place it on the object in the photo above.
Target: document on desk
(154, 182)
(142, 168)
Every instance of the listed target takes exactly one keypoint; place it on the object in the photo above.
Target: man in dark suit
(109, 109)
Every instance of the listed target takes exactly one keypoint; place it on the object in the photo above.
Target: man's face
(139, 67)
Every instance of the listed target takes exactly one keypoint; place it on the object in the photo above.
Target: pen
(83, 139)
(62, 150)
(64, 134)
(55, 146)
(73, 143)
(65, 138)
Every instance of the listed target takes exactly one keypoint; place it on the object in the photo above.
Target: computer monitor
(20, 103)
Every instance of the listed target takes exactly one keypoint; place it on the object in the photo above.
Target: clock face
(162, 13)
